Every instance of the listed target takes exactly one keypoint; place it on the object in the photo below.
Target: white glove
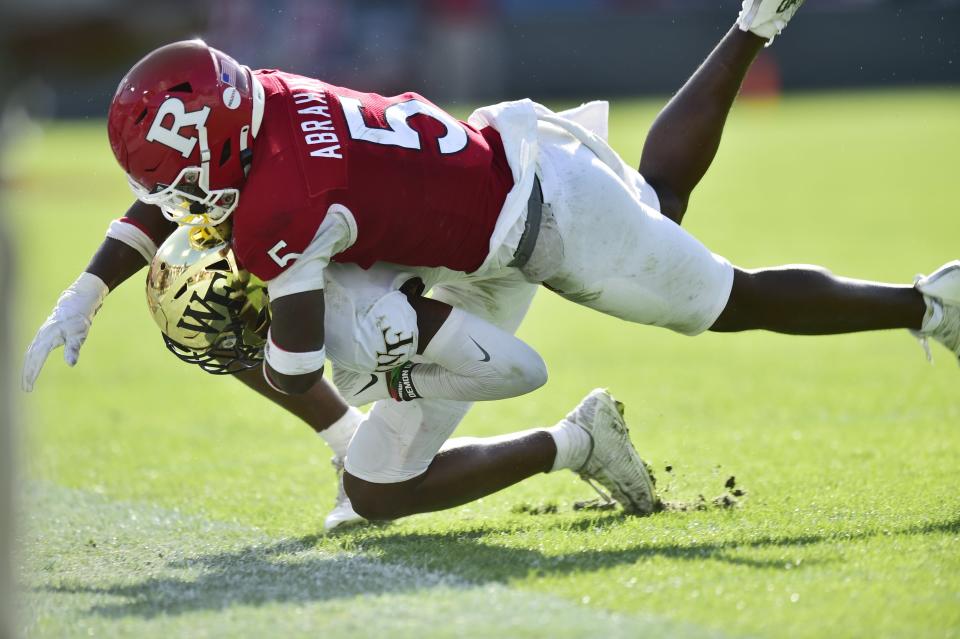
(67, 326)
(767, 18)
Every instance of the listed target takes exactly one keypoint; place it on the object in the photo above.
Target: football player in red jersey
(483, 211)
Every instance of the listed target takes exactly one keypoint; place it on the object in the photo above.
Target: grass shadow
(467, 554)
(295, 571)
(291, 571)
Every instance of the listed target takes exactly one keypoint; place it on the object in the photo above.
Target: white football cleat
(941, 292)
(613, 461)
(766, 18)
(343, 513)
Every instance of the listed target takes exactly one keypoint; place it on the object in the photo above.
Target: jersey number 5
(399, 133)
(282, 260)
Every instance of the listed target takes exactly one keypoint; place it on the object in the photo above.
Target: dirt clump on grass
(730, 498)
(549, 508)
(594, 504)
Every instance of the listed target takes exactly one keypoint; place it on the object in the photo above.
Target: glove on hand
(67, 326)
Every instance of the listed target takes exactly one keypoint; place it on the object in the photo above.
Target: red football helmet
(180, 125)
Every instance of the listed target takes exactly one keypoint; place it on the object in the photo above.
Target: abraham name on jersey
(316, 132)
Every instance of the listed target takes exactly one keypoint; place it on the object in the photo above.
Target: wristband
(293, 363)
(133, 236)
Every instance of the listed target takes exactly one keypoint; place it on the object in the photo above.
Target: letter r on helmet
(181, 118)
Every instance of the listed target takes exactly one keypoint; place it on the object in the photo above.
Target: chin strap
(246, 154)
(250, 132)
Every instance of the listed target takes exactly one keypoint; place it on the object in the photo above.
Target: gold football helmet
(211, 312)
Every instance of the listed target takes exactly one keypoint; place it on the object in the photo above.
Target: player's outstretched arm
(130, 244)
(128, 247)
(295, 353)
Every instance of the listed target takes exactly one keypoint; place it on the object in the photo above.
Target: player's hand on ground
(67, 326)
(767, 18)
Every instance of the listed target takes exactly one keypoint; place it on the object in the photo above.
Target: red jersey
(424, 188)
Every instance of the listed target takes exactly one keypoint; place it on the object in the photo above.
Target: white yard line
(128, 569)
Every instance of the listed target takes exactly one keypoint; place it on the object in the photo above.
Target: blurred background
(7, 430)
(70, 55)
(60, 61)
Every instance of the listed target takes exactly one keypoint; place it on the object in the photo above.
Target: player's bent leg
(456, 476)
(809, 300)
(396, 443)
(470, 359)
(390, 343)
(390, 466)
(395, 466)
(476, 354)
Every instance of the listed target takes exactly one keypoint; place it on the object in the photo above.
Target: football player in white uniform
(213, 314)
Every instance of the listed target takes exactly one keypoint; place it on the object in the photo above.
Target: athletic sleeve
(337, 233)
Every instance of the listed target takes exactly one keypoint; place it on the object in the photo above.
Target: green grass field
(160, 501)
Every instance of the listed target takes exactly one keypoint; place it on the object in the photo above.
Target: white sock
(573, 445)
(340, 432)
(933, 316)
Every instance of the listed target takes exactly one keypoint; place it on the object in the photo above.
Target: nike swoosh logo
(486, 355)
(373, 380)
